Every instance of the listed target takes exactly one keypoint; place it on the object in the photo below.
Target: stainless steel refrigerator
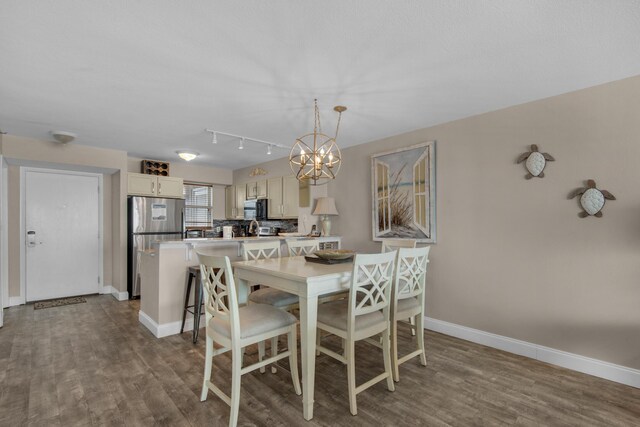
(150, 220)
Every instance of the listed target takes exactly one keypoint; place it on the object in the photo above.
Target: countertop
(222, 240)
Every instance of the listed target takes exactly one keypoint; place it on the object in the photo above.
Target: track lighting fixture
(242, 139)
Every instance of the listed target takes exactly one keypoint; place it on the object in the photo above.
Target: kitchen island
(163, 275)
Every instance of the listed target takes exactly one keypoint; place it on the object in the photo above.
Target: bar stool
(196, 308)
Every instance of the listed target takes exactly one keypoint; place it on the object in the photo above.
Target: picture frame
(403, 193)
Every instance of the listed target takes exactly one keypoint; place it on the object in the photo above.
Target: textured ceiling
(149, 76)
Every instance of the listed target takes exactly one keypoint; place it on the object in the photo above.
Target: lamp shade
(325, 206)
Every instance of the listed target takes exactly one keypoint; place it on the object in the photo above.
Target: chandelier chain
(338, 125)
(317, 125)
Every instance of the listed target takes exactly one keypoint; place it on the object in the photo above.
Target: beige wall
(512, 256)
(21, 151)
(190, 172)
(13, 234)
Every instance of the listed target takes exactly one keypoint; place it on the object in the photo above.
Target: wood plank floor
(94, 364)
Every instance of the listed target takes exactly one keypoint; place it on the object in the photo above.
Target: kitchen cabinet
(257, 190)
(284, 195)
(230, 202)
(235, 196)
(139, 184)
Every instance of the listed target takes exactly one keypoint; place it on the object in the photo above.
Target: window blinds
(198, 205)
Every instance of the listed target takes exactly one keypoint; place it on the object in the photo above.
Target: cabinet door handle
(159, 188)
(153, 187)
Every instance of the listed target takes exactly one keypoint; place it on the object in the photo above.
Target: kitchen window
(198, 205)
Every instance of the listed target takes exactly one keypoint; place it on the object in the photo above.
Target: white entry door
(62, 234)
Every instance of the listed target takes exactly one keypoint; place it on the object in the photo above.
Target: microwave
(256, 209)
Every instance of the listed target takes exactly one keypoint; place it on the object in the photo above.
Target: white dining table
(309, 281)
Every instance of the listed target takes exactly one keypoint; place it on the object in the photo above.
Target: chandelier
(315, 157)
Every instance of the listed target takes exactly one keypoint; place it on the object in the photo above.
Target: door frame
(4, 258)
(23, 225)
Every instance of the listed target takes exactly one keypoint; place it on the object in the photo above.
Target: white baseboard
(575, 362)
(16, 301)
(166, 329)
(120, 296)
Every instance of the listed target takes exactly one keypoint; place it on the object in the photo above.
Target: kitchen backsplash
(285, 225)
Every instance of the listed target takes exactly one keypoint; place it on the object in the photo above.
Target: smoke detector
(63, 137)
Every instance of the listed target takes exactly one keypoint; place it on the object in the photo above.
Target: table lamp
(326, 206)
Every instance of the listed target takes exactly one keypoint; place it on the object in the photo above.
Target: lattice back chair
(274, 297)
(363, 315)
(261, 250)
(302, 247)
(235, 328)
(389, 245)
(394, 245)
(408, 301)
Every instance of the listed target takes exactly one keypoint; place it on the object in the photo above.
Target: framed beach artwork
(404, 193)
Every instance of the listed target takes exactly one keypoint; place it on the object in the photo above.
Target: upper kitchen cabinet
(230, 202)
(257, 190)
(284, 197)
(235, 196)
(155, 186)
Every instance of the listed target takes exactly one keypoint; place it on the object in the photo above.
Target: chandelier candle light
(326, 206)
(315, 157)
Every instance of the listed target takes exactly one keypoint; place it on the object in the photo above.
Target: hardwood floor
(94, 364)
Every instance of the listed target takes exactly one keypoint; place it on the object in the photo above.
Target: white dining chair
(270, 296)
(302, 247)
(363, 315)
(393, 245)
(274, 297)
(234, 328)
(389, 245)
(408, 301)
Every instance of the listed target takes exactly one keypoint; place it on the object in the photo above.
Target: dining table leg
(308, 324)
(242, 291)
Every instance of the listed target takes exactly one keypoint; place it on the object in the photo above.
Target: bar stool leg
(197, 310)
(186, 301)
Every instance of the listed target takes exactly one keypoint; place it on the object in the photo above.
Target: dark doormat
(58, 302)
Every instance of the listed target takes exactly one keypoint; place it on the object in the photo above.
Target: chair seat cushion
(407, 307)
(335, 314)
(274, 297)
(255, 319)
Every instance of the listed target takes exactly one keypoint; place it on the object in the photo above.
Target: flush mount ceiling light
(63, 137)
(187, 155)
(315, 157)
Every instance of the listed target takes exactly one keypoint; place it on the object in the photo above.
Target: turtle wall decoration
(592, 200)
(535, 162)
